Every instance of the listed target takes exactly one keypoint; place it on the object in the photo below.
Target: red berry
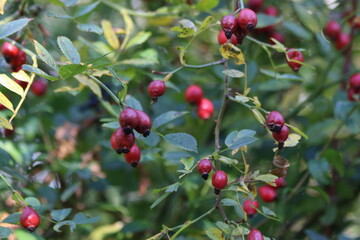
(255, 5)
(9, 133)
(122, 142)
(297, 56)
(255, 234)
(342, 41)
(332, 29)
(278, 36)
(204, 168)
(2, 107)
(229, 24)
(128, 120)
(9, 51)
(38, 88)
(355, 81)
(21, 83)
(267, 193)
(18, 61)
(353, 95)
(193, 94)
(219, 181)
(247, 19)
(271, 11)
(29, 219)
(156, 89)
(281, 136)
(280, 182)
(275, 121)
(133, 157)
(144, 124)
(205, 108)
(250, 206)
(222, 38)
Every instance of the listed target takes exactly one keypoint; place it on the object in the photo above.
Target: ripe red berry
(278, 36)
(193, 94)
(29, 219)
(267, 193)
(275, 121)
(144, 124)
(128, 119)
(222, 38)
(38, 87)
(229, 24)
(156, 89)
(247, 19)
(353, 95)
(122, 142)
(297, 56)
(9, 51)
(205, 108)
(342, 41)
(255, 5)
(255, 234)
(355, 81)
(219, 181)
(21, 83)
(250, 206)
(18, 61)
(204, 168)
(133, 157)
(332, 29)
(281, 136)
(280, 182)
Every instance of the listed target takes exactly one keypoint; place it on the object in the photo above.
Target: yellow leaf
(228, 50)
(5, 123)
(6, 102)
(109, 34)
(2, 5)
(11, 84)
(21, 75)
(129, 27)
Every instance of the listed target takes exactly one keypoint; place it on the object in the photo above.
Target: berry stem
(112, 95)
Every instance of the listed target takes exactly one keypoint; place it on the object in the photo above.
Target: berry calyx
(204, 168)
(219, 181)
(122, 142)
(342, 41)
(332, 29)
(297, 56)
(275, 121)
(229, 24)
(39, 87)
(193, 94)
(144, 124)
(222, 38)
(255, 234)
(205, 108)
(156, 89)
(9, 51)
(250, 206)
(281, 136)
(128, 119)
(267, 193)
(29, 219)
(355, 81)
(133, 156)
(255, 5)
(247, 19)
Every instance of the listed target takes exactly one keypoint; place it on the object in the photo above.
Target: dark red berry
(38, 87)
(144, 124)
(204, 168)
(355, 81)
(2, 107)
(156, 89)
(21, 83)
(332, 29)
(275, 121)
(267, 193)
(222, 38)
(271, 11)
(342, 41)
(297, 56)
(9, 51)
(255, 234)
(229, 24)
(29, 219)
(247, 19)
(281, 136)
(205, 108)
(240, 34)
(250, 206)
(18, 61)
(278, 36)
(193, 94)
(122, 142)
(280, 182)
(128, 119)
(353, 95)
(219, 181)
(133, 157)
(255, 5)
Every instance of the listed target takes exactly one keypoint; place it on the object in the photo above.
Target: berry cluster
(195, 96)
(275, 122)
(354, 87)
(14, 56)
(219, 179)
(333, 31)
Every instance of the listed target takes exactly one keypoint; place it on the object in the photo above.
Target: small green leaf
(268, 212)
(173, 187)
(167, 117)
(206, 23)
(182, 140)
(335, 159)
(61, 214)
(72, 225)
(319, 169)
(81, 218)
(112, 125)
(267, 178)
(214, 234)
(265, 20)
(123, 92)
(207, 5)
(157, 201)
(229, 202)
(34, 202)
(86, 9)
(12, 219)
(183, 32)
(295, 129)
(22, 234)
(188, 163)
(297, 30)
(90, 28)
(5, 232)
(132, 102)
(233, 73)
(57, 2)
(229, 161)
(239, 139)
(68, 49)
(70, 70)
(13, 27)
(94, 87)
(138, 39)
(308, 17)
(45, 56)
(39, 72)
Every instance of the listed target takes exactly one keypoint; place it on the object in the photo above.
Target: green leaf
(239, 139)
(183, 32)
(297, 30)
(22, 234)
(39, 72)
(286, 76)
(268, 212)
(94, 87)
(132, 102)
(85, 10)
(157, 201)
(207, 5)
(57, 2)
(233, 73)
(81, 218)
(138, 39)
(167, 117)
(13, 27)
(123, 92)
(45, 56)
(173, 187)
(206, 23)
(72, 225)
(274, 85)
(335, 159)
(70, 70)
(295, 129)
(112, 125)
(68, 49)
(342, 109)
(228, 160)
(182, 140)
(265, 20)
(229, 202)
(308, 17)
(267, 178)
(90, 28)
(319, 169)
(188, 162)
(34, 202)
(152, 140)
(5, 232)
(12, 219)
(214, 234)
(61, 214)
